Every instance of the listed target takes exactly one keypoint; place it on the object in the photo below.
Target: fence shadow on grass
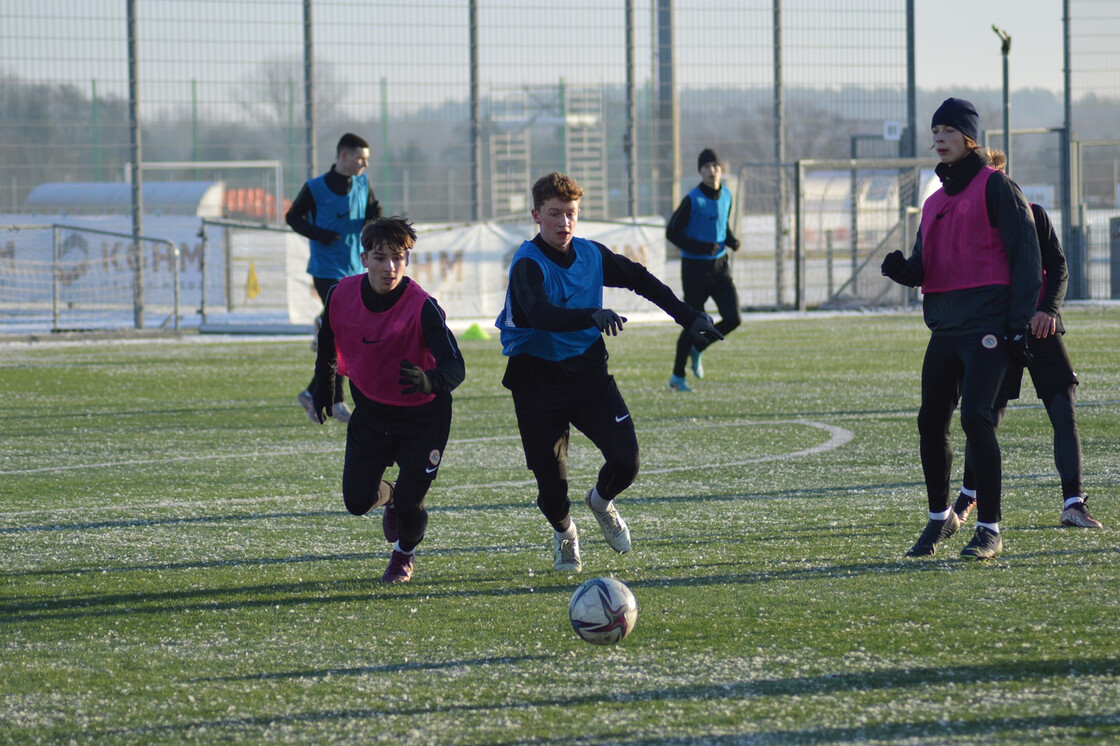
(389, 668)
(905, 680)
(324, 593)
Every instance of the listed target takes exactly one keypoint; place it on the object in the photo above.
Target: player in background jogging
(552, 329)
(700, 229)
(330, 211)
(391, 339)
(1052, 374)
(976, 257)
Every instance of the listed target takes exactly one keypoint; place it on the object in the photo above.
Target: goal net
(849, 215)
(65, 278)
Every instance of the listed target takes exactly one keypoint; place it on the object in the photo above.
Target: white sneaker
(615, 530)
(565, 552)
(341, 412)
(308, 405)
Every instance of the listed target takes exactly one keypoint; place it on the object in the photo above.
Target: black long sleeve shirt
(990, 306)
(301, 215)
(678, 223)
(1056, 277)
(450, 369)
(532, 308)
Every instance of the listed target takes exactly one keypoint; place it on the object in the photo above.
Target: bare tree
(274, 93)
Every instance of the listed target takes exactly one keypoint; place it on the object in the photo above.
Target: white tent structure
(198, 198)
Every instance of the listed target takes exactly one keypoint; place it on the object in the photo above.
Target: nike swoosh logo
(623, 417)
(941, 214)
(343, 214)
(431, 470)
(370, 341)
(565, 300)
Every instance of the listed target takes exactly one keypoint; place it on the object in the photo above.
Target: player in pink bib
(390, 338)
(977, 260)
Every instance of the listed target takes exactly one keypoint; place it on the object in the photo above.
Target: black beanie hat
(960, 115)
(707, 155)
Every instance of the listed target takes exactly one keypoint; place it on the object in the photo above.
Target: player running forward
(389, 337)
(701, 230)
(1055, 382)
(976, 257)
(552, 329)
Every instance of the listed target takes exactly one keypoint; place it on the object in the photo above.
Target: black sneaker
(963, 506)
(933, 534)
(984, 545)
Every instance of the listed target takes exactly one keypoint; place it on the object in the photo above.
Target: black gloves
(703, 330)
(732, 243)
(413, 379)
(322, 398)
(893, 265)
(607, 321)
(1021, 348)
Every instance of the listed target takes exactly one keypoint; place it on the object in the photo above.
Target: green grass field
(178, 567)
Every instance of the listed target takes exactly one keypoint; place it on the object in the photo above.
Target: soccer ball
(603, 611)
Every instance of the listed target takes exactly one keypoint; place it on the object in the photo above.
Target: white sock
(569, 534)
(940, 516)
(993, 527)
(397, 548)
(968, 492)
(597, 501)
(1073, 500)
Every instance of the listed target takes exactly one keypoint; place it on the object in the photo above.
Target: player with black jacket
(330, 211)
(1054, 379)
(976, 257)
(552, 328)
(701, 228)
(385, 333)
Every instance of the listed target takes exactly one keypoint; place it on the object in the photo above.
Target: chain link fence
(466, 102)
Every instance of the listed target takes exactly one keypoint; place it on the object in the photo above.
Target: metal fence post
(798, 239)
(1114, 257)
(54, 279)
(202, 270)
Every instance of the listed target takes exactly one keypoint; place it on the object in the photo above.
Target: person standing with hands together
(977, 260)
(391, 339)
(552, 328)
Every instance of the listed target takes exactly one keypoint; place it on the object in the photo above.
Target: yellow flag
(252, 287)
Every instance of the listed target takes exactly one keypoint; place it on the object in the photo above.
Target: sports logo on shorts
(434, 457)
(989, 341)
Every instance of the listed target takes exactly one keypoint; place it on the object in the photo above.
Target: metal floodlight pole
(309, 91)
(779, 154)
(135, 172)
(1072, 225)
(910, 142)
(475, 114)
(629, 139)
(1005, 48)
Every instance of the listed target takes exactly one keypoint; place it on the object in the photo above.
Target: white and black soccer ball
(603, 611)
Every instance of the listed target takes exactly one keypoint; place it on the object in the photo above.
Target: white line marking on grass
(838, 436)
(172, 459)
